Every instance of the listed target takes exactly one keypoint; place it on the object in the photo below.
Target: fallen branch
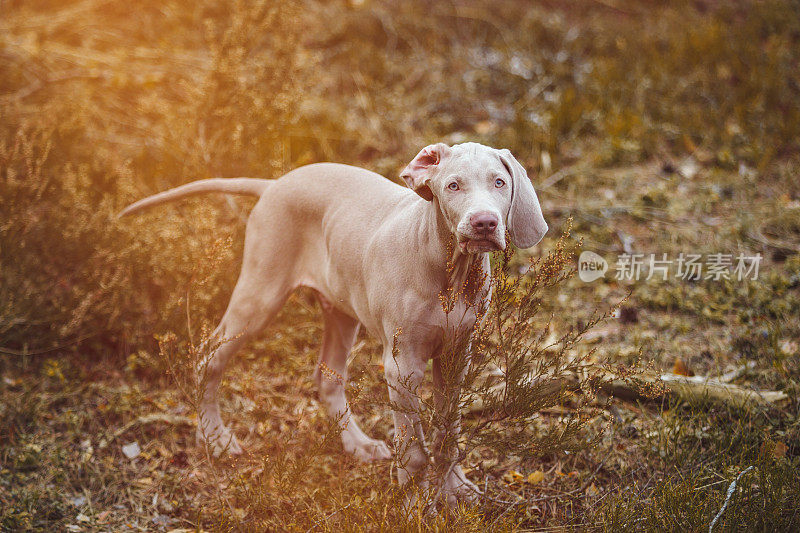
(736, 373)
(151, 419)
(692, 389)
(655, 388)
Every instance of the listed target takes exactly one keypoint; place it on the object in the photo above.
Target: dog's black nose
(484, 223)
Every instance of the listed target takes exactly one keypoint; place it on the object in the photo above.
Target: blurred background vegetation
(103, 104)
(673, 125)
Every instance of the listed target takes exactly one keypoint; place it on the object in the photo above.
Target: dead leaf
(512, 476)
(535, 477)
(592, 491)
(779, 451)
(681, 368)
(774, 449)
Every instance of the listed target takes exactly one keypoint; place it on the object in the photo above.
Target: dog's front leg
(448, 377)
(404, 374)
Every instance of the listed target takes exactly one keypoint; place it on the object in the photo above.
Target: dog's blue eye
(499, 183)
(453, 186)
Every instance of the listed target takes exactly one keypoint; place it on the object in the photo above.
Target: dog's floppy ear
(417, 172)
(526, 225)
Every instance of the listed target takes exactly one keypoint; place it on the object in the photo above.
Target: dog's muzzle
(482, 232)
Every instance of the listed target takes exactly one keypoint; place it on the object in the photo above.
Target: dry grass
(674, 124)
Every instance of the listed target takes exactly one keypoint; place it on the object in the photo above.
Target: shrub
(114, 124)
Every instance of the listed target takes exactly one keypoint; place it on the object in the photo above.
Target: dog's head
(480, 191)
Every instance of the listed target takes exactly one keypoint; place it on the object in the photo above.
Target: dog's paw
(457, 488)
(220, 442)
(365, 449)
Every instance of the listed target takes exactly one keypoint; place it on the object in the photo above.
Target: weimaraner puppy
(376, 254)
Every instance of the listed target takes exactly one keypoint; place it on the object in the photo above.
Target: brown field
(655, 127)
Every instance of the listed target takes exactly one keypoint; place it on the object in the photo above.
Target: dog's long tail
(251, 186)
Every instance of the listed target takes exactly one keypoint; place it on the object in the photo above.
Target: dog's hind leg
(331, 376)
(253, 304)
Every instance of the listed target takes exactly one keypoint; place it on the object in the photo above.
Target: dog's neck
(462, 272)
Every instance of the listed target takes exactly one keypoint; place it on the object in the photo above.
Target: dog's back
(324, 219)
